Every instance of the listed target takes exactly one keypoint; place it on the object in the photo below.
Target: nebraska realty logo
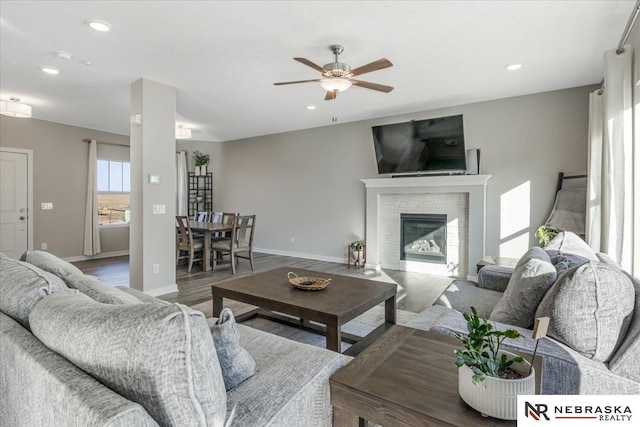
(578, 410)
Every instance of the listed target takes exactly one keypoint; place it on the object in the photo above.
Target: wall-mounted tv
(431, 145)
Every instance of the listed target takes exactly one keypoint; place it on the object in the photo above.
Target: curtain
(181, 183)
(91, 227)
(610, 201)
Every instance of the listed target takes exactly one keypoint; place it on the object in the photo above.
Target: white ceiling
(224, 56)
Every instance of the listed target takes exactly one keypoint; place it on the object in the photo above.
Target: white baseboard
(301, 255)
(162, 291)
(97, 256)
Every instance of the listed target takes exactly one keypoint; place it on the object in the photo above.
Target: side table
(406, 377)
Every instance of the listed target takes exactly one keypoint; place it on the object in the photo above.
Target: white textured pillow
(531, 279)
(95, 289)
(51, 263)
(158, 355)
(590, 307)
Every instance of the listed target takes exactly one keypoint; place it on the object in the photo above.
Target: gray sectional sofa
(99, 356)
(579, 309)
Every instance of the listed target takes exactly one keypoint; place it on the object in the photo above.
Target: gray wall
(305, 184)
(60, 177)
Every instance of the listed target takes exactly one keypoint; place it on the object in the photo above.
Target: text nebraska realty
(601, 413)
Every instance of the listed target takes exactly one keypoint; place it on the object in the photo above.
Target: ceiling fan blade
(308, 63)
(330, 95)
(374, 86)
(374, 66)
(299, 81)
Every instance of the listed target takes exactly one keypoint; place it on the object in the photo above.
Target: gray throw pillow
(22, 285)
(95, 289)
(567, 242)
(590, 307)
(160, 356)
(49, 262)
(236, 362)
(626, 360)
(533, 276)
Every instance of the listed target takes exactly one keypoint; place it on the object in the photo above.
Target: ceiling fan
(338, 76)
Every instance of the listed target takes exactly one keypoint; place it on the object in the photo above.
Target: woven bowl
(307, 283)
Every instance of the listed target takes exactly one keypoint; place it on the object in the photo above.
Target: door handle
(22, 218)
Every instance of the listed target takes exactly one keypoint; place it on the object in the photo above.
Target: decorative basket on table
(307, 283)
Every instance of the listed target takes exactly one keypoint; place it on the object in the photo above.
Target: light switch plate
(154, 179)
(159, 209)
(46, 206)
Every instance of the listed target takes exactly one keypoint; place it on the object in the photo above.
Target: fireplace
(423, 238)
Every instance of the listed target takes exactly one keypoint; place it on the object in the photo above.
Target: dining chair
(202, 216)
(187, 242)
(225, 218)
(240, 242)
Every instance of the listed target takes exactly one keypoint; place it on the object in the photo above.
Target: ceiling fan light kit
(338, 76)
(14, 108)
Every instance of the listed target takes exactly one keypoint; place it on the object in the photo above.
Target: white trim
(301, 255)
(97, 256)
(30, 211)
(162, 291)
(427, 181)
(116, 225)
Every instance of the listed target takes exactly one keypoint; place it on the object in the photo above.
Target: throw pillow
(533, 276)
(590, 307)
(95, 289)
(160, 356)
(236, 362)
(567, 242)
(22, 285)
(49, 262)
(626, 360)
(565, 262)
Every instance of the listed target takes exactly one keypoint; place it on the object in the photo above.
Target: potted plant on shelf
(201, 161)
(357, 248)
(490, 379)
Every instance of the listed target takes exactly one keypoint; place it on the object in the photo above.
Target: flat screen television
(420, 146)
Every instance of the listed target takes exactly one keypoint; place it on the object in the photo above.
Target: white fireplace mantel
(474, 185)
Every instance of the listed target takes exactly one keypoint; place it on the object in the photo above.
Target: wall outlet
(46, 206)
(292, 240)
(156, 268)
(43, 246)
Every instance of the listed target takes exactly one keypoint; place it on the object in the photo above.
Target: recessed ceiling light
(87, 63)
(513, 67)
(98, 25)
(50, 70)
(64, 55)
(311, 107)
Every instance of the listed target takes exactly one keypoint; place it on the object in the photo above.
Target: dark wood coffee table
(343, 300)
(407, 377)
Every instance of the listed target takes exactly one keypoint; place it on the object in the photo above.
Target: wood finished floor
(415, 290)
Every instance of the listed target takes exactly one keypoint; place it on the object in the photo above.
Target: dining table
(207, 229)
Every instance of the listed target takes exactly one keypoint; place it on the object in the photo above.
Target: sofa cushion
(626, 360)
(291, 384)
(49, 262)
(533, 276)
(158, 355)
(590, 309)
(22, 285)
(462, 294)
(99, 291)
(236, 363)
(565, 262)
(567, 242)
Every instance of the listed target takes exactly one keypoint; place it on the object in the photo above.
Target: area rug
(360, 326)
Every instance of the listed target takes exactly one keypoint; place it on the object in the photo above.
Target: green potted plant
(545, 233)
(201, 161)
(489, 378)
(357, 248)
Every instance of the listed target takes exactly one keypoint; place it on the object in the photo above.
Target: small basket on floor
(307, 283)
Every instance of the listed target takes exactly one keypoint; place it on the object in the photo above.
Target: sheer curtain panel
(91, 227)
(182, 176)
(610, 199)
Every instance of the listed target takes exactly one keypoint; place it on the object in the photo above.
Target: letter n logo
(536, 411)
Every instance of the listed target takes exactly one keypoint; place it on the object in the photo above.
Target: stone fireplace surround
(414, 193)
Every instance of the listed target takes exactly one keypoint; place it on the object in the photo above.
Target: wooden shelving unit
(200, 193)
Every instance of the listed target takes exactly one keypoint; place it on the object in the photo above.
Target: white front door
(14, 230)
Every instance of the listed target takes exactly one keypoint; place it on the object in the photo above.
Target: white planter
(203, 170)
(496, 397)
(197, 171)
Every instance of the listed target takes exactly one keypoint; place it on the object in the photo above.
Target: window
(114, 187)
